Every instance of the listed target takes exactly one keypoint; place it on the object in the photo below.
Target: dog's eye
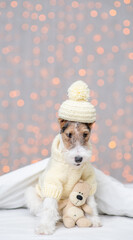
(69, 135)
(85, 135)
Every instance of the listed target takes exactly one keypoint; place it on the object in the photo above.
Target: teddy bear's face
(77, 198)
(80, 193)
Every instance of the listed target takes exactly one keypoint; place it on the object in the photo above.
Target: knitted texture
(77, 107)
(60, 177)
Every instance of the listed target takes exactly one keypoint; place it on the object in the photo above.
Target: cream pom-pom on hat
(77, 108)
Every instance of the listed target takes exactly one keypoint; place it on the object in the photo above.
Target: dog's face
(74, 141)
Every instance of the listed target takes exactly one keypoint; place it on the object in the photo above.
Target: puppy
(74, 139)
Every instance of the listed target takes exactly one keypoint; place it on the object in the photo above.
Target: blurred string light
(43, 50)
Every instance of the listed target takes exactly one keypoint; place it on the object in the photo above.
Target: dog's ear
(62, 122)
(89, 125)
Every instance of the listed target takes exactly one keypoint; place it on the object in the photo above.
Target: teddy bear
(74, 208)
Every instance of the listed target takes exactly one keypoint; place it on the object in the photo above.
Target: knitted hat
(77, 108)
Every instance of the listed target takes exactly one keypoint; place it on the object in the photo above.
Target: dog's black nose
(78, 159)
(79, 197)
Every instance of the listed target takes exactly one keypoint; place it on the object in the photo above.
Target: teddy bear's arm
(62, 204)
(87, 209)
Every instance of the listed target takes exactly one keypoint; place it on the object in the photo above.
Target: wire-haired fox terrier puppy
(70, 161)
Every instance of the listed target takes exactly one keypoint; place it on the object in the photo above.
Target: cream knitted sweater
(58, 180)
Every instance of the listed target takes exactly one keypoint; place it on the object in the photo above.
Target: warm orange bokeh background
(44, 47)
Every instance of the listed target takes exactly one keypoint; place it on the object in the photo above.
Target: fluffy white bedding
(19, 225)
(113, 198)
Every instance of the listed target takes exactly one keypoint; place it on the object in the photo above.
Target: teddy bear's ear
(81, 181)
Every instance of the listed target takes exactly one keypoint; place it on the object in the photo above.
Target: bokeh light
(46, 46)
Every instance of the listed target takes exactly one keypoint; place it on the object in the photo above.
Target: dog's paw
(49, 216)
(45, 229)
(96, 222)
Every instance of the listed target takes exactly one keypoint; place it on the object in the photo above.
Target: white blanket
(112, 197)
(18, 224)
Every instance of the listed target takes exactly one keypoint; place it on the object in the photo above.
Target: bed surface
(18, 224)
